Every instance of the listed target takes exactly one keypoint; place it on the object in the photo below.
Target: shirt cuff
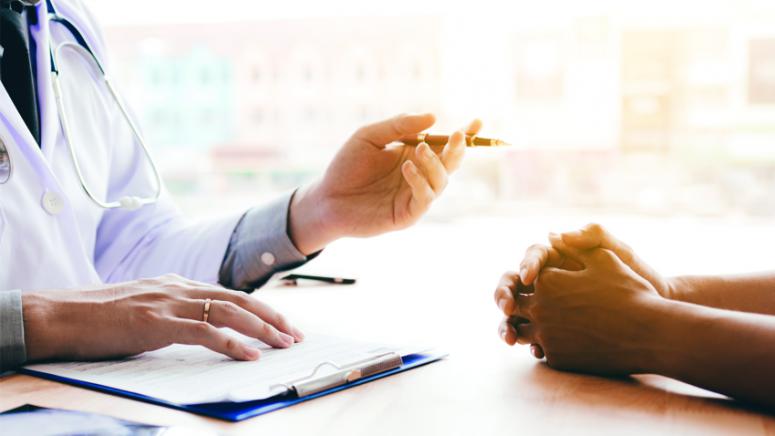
(13, 353)
(260, 247)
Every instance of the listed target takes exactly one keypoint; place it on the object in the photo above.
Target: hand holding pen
(449, 153)
(372, 187)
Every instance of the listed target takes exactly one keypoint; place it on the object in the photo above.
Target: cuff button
(268, 259)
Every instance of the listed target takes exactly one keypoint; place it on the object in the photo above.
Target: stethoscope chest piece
(5, 164)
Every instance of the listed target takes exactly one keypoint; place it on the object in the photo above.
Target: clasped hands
(585, 302)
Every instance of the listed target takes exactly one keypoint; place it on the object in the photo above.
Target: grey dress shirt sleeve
(260, 247)
(12, 350)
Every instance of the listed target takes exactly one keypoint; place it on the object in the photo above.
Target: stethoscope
(81, 47)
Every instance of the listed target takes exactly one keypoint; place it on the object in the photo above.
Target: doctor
(98, 262)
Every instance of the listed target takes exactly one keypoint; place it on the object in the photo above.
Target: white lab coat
(51, 234)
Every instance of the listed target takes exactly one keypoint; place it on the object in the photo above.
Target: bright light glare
(662, 107)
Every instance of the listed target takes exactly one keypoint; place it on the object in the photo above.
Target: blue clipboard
(238, 411)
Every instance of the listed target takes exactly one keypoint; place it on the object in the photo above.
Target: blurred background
(654, 110)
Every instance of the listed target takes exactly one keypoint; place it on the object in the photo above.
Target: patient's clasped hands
(586, 303)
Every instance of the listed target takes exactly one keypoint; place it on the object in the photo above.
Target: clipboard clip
(314, 384)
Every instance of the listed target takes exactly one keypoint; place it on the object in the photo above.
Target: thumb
(595, 236)
(384, 132)
(591, 236)
(575, 254)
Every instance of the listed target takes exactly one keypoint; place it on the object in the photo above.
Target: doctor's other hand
(601, 318)
(124, 319)
(372, 187)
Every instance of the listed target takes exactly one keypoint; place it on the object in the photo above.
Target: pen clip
(312, 385)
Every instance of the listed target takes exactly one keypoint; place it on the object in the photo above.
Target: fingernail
(252, 353)
(287, 339)
(503, 334)
(523, 275)
(411, 168)
(425, 150)
(502, 305)
(298, 334)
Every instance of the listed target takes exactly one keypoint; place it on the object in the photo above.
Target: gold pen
(440, 140)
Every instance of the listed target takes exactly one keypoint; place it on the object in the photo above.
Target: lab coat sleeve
(239, 252)
(154, 239)
(157, 239)
(260, 247)
(12, 350)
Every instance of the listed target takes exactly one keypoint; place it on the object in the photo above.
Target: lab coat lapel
(22, 137)
(49, 117)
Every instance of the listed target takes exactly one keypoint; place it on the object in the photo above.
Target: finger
(584, 239)
(537, 351)
(574, 254)
(535, 258)
(384, 132)
(431, 166)
(473, 127)
(422, 193)
(253, 305)
(596, 236)
(508, 286)
(581, 257)
(523, 305)
(551, 279)
(504, 298)
(453, 152)
(540, 256)
(507, 332)
(525, 333)
(228, 314)
(190, 332)
(508, 280)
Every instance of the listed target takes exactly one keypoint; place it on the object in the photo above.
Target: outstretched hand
(373, 187)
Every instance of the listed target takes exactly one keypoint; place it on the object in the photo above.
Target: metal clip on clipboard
(355, 371)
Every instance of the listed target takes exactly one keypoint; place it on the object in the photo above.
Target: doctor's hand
(371, 188)
(125, 319)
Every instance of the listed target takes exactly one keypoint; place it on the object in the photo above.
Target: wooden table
(433, 285)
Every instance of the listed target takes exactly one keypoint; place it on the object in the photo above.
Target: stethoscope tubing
(81, 46)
